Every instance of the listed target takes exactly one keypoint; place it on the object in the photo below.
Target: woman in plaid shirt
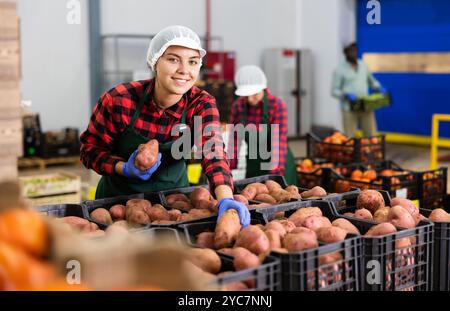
(133, 113)
(257, 107)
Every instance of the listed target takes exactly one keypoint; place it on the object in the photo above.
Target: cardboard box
(10, 60)
(72, 198)
(51, 184)
(8, 168)
(10, 100)
(11, 141)
(9, 27)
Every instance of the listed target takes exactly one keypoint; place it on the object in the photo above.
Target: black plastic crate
(304, 271)
(402, 269)
(432, 187)
(410, 268)
(153, 197)
(266, 276)
(441, 257)
(355, 150)
(317, 176)
(61, 210)
(398, 185)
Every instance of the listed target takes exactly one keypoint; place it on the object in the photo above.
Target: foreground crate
(309, 269)
(386, 265)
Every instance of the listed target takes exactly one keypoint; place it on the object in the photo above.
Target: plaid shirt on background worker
(113, 114)
(277, 115)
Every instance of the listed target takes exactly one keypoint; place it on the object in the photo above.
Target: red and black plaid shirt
(277, 115)
(115, 109)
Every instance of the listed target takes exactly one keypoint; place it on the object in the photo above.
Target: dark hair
(351, 45)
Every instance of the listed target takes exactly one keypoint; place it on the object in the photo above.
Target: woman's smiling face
(178, 69)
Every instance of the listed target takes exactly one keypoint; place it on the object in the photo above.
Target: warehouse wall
(247, 27)
(55, 63)
(325, 27)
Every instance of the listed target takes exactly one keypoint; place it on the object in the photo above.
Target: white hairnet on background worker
(172, 35)
(250, 80)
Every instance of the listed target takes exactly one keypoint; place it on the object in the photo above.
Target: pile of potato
(272, 193)
(361, 179)
(303, 230)
(338, 147)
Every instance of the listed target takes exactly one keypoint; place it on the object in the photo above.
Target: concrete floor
(408, 157)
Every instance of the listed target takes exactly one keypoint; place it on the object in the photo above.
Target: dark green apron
(253, 167)
(170, 174)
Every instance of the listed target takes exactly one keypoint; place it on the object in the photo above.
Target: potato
(292, 190)
(206, 204)
(400, 217)
(101, 215)
(200, 213)
(181, 205)
(141, 203)
(241, 198)
(301, 230)
(227, 229)
(274, 238)
(185, 217)
(280, 250)
(198, 194)
(163, 222)
(119, 228)
(331, 234)
(302, 213)
(315, 222)
(147, 155)
(93, 226)
(228, 251)
(117, 212)
(158, 212)
(174, 214)
(206, 239)
(381, 215)
(329, 258)
(245, 260)
(77, 223)
(317, 192)
(406, 204)
(260, 188)
(439, 215)
(281, 195)
(249, 192)
(235, 286)
(346, 225)
(206, 259)
(175, 197)
(381, 229)
(253, 239)
(279, 215)
(276, 226)
(266, 198)
(371, 200)
(363, 214)
(136, 212)
(348, 214)
(287, 224)
(296, 242)
(402, 243)
(272, 185)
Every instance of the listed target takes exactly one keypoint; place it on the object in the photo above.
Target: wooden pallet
(24, 163)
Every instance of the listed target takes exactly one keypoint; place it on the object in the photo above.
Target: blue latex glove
(382, 90)
(130, 171)
(350, 97)
(229, 203)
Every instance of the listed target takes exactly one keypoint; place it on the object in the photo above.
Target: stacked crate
(10, 111)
